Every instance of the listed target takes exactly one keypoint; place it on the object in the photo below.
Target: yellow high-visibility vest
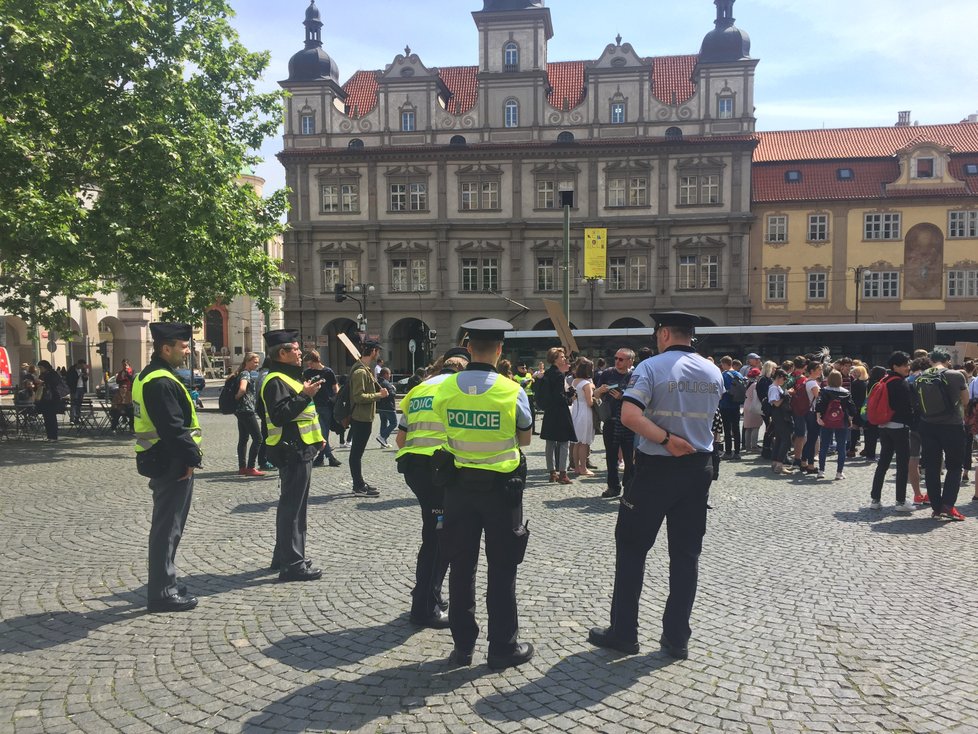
(307, 421)
(146, 435)
(481, 429)
(425, 430)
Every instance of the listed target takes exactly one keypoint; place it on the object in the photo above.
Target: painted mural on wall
(923, 263)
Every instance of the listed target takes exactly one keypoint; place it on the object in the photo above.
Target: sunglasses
(621, 359)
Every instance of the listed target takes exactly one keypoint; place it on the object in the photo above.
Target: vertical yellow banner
(595, 253)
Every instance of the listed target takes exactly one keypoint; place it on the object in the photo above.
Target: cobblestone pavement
(814, 613)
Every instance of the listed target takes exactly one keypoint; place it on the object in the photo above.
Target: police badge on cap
(280, 336)
(168, 332)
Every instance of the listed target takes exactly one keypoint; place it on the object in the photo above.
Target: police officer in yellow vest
(167, 452)
(487, 419)
(420, 434)
(294, 441)
(525, 380)
(670, 403)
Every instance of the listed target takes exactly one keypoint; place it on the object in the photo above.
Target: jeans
(618, 439)
(248, 428)
(388, 422)
(359, 433)
(937, 440)
(893, 442)
(731, 428)
(783, 433)
(77, 395)
(557, 456)
(325, 419)
(811, 436)
(841, 436)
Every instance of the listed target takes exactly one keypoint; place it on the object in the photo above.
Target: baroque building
(434, 193)
(866, 224)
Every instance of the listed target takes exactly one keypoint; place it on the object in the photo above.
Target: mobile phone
(317, 379)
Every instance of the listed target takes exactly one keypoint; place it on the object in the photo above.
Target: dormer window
(725, 108)
(845, 174)
(511, 57)
(355, 144)
(617, 113)
(408, 121)
(971, 169)
(511, 113)
(307, 121)
(674, 133)
(792, 177)
(924, 168)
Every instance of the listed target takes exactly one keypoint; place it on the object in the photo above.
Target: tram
(872, 343)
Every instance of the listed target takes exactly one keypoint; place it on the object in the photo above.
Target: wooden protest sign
(556, 313)
(350, 346)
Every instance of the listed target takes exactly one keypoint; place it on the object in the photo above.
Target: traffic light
(433, 337)
(339, 292)
(103, 348)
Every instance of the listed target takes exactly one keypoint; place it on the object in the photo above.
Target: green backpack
(932, 394)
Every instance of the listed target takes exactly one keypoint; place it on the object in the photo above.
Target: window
(511, 116)
(340, 196)
(818, 227)
(725, 108)
(925, 168)
(407, 121)
(565, 137)
(355, 144)
(457, 140)
(845, 174)
(777, 228)
(408, 191)
(881, 284)
(674, 133)
(339, 270)
(962, 224)
(409, 274)
(971, 169)
(885, 226)
(480, 194)
(617, 113)
(792, 176)
(629, 273)
(818, 286)
(962, 284)
(699, 189)
(628, 191)
(546, 274)
(480, 274)
(699, 272)
(308, 124)
(777, 286)
(511, 57)
(548, 192)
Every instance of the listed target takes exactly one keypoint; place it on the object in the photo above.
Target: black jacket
(283, 405)
(168, 408)
(901, 400)
(557, 422)
(827, 394)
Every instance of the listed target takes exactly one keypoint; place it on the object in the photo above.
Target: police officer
(167, 452)
(420, 434)
(669, 404)
(294, 441)
(486, 418)
(525, 380)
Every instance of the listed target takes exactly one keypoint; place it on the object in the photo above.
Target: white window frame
(777, 228)
(818, 227)
(409, 121)
(881, 226)
(511, 57)
(407, 194)
(725, 108)
(962, 283)
(777, 287)
(617, 113)
(479, 274)
(339, 197)
(881, 285)
(307, 123)
(479, 194)
(962, 224)
(546, 274)
(511, 113)
(817, 286)
(699, 272)
(409, 274)
(335, 270)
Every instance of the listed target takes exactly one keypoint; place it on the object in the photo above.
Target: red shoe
(953, 514)
(921, 499)
(242, 472)
(253, 473)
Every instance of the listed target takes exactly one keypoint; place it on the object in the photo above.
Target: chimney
(973, 117)
(903, 118)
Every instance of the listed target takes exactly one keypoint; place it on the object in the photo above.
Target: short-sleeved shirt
(679, 391)
(613, 379)
(247, 402)
(774, 393)
(956, 382)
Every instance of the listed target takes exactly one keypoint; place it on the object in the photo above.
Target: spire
(725, 17)
(314, 25)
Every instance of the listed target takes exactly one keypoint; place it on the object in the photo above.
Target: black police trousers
(675, 490)
(171, 505)
(470, 509)
(295, 477)
(432, 565)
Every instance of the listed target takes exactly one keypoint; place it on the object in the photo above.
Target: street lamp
(859, 284)
(566, 201)
(365, 289)
(591, 282)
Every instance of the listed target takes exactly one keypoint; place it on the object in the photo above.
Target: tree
(124, 125)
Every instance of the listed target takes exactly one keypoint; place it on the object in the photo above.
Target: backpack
(932, 394)
(835, 415)
(343, 405)
(878, 410)
(227, 402)
(738, 387)
(800, 402)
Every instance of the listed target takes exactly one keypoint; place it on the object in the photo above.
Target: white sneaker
(839, 476)
(382, 442)
(821, 475)
(876, 505)
(904, 507)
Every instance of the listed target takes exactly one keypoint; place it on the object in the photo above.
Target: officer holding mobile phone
(618, 440)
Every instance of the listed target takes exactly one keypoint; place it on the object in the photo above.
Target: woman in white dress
(581, 414)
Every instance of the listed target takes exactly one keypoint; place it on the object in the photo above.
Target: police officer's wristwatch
(664, 441)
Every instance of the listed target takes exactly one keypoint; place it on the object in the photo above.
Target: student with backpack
(834, 411)
(940, 395)
(734, 395)
(889, 408)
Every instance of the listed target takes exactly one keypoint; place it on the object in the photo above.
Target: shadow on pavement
(17, 453)
(247, 507)
(918, 523)
(391, 504)
(589, 505)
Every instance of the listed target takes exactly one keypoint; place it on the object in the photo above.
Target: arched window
(674, 133)
(355, 144)
(565, 137)
(511, 57)
(457, 140)
(511, 117)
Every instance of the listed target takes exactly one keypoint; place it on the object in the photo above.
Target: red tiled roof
(860, 142)
(461, 82)
(672, 76)
(361, 93)
(566, 84)
(820, 182)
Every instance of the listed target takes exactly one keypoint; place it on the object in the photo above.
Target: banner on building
(595, 253)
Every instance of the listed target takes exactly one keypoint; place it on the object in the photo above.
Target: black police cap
(164, 332)
(492, 330)
(277, 337)
(680, 319)
(458, 352)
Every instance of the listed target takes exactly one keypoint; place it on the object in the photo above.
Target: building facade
(434, 193)
(866, 224)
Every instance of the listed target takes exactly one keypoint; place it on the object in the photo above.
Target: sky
(831, 63)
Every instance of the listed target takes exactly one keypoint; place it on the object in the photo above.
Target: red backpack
(878, 410)
(800, 402)
(835, 415)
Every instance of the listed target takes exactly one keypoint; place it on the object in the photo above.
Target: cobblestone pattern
(814, 613)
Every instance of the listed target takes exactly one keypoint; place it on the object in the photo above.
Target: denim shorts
(801, 427)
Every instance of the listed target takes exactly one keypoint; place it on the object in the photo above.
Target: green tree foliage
(124, 125)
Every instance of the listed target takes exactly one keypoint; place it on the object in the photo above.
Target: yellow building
(865, 224)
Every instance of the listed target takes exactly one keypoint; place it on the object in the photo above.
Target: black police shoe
(302, 572)
(673, 651)
(608, 493)
(367, 490)
(173, 603)
(460, 657)
(335, 462)
(522, 654)
(437, 621)
(603, 637)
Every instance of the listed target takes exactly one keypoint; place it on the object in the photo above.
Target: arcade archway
(333, 353)
(401, 336)
(627, 323)
(548, 325)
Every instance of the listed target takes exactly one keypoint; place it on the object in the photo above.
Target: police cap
(280, 336)
(164, 332)
(490, 330)
(369, 345)
(458, 352)
(680, 319)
